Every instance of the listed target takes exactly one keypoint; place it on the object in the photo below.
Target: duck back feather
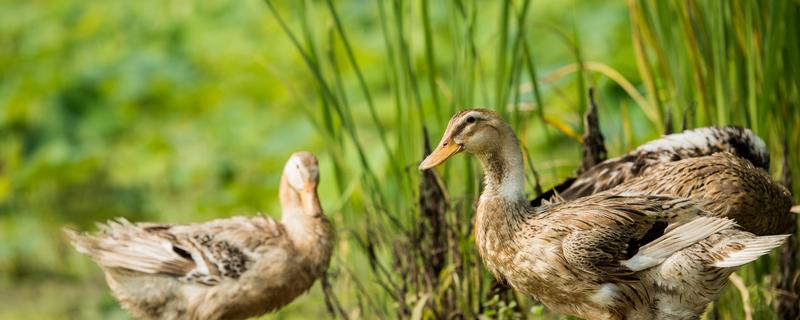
(688, 144)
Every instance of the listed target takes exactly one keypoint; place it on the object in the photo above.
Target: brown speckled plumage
(688, 144)
(223, 269)
(725, 185)
(618, 254)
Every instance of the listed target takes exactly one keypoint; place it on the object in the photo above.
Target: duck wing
(726, 186)
(200, 253)
(615, 236)
(688, 144)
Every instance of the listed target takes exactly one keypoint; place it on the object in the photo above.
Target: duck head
(486, 135)
(475, 131)
(299, 183)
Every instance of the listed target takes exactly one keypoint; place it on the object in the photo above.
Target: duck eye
(470, 119)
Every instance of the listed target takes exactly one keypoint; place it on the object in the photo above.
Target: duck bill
(444, 151)
(311, 202)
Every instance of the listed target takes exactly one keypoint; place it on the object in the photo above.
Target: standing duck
(688, 144)
(223, 269)
(603, 256)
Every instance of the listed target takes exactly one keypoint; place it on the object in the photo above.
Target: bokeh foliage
(186, 110)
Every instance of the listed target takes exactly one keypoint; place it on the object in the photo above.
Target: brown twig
(331, 302)
(687, 113)
(537, 186)
(668, 121)
(432, 206)
(788, 288)
(594, 149)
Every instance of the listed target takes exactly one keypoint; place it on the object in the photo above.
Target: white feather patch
(676, 239)
(606, 294)
(697, 138)
(753, 249)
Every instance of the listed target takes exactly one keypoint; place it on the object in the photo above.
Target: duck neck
(502, 204)
(504, 172)
(306, 225)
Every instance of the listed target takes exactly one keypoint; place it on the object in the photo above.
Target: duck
(232, 268)
(715, 162)
(700, 142)
(608, 255)
(726, 185)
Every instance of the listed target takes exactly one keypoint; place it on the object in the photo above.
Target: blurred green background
(183, 111)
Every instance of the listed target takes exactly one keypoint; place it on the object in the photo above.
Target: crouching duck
(610, 255)
(222, 269)
(688, 144)
(719, 167)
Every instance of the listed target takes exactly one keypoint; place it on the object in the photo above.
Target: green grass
(726, 80)
(186, 111)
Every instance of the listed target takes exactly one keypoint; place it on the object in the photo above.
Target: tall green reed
(731, 61)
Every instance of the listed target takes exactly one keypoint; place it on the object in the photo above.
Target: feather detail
(700, 142)
(674, 240)
(124, 245)
(753, 249)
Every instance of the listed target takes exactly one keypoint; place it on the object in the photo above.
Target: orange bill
(444, 151)
(311, 203)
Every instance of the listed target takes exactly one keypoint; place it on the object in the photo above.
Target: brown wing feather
(603, 236)
(121, 244)
(203, 253)
(688, 144)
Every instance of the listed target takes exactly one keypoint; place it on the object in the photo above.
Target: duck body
(618, 254)
(725, 185)
(688, 144)
(527, 252)
(231, 268)
(573, 256)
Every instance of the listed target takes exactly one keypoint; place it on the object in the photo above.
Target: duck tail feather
(675, 239)
(753, 249)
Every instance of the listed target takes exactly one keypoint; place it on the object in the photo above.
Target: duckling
(603, 256)
(685, 145)
(223, 269)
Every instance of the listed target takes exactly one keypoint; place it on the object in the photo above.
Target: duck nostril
(444, 144)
